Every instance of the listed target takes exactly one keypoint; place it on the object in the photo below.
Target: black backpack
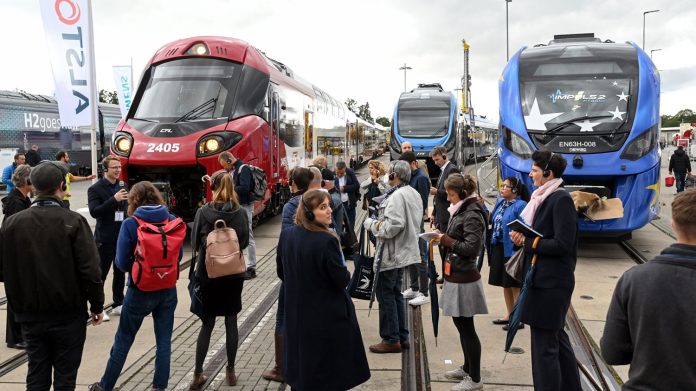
(260, 183)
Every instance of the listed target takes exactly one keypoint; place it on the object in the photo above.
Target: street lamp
(507, 32)
(653, 50)
(405, 68)
(645, 13)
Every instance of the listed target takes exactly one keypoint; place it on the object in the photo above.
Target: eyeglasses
(505, 187)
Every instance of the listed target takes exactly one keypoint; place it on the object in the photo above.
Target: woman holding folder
(551, 213)
(513, 199)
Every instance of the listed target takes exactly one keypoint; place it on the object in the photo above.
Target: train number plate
(163, 147)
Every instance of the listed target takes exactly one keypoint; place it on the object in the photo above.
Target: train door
(275, 132)
(309, 136)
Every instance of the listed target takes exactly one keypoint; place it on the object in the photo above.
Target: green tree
(364, 112)
(350, 103)
(108, 97)
(384, 121)
(685, 115)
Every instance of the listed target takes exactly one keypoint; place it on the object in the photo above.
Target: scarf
(538, 198)
(453, 208)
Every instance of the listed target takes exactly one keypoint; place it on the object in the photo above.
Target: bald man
(406, 146)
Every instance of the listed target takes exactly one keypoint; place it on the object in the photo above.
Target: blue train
(597, 103)
(427, 117)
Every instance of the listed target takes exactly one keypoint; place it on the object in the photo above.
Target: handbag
(349, 242)
(360, 285)
(515, 265)
(194, 288)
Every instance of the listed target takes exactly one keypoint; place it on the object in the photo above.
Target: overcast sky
(355, 48)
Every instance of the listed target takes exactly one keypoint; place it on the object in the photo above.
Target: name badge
(119, 215)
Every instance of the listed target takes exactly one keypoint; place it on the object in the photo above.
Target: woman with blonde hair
(323, 345)
(220, 296)
(376, 185)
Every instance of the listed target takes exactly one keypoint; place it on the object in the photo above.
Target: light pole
(405, 68)
(653, 50)
(645, 13)
(507, 32)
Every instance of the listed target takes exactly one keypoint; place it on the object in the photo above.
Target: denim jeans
(55, 351)
(136, 306)
(392, 318)
(250, 253)
(680, 179)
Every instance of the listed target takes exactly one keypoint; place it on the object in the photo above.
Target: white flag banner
(124, 87)
(66, 24)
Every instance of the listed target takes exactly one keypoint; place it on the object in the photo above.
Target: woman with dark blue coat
(513, 198)
(550, 212)
(323, 345)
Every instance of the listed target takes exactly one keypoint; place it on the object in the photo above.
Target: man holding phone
(107, 203)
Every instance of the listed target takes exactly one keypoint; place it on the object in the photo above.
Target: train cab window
(189, 89)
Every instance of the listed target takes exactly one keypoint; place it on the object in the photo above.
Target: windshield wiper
(562, 125)
(197, 112)
(202, 109)
(146, 120)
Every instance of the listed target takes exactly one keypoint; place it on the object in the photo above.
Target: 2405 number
(163, 147)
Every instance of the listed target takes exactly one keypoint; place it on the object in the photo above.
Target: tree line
(685, 115)
(363, 111)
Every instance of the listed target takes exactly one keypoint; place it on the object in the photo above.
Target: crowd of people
(317, 329)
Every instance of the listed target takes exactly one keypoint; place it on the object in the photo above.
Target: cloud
(354, 49)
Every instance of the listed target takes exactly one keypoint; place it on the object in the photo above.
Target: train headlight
(214, 143)
(516, 144)
(641, 145)
(198, 49)
(209, 145)
(123, 142)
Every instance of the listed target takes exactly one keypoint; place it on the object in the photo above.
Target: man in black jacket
(440, 204)
(49, 267)
(650, 320)
(106, 200)
(244, 187)
(680, 163)
(440, 216)
(349, 188)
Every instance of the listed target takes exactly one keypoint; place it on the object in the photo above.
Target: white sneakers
(409, 293)
(456, 374)
(420, 299)
(116, 311)
(106, 317)
(467, 385)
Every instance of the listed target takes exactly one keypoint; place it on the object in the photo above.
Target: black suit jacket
(440, 202)
(548, 298)
(103, 206)
(352, 187)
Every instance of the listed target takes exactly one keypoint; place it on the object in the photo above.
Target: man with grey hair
(396, 229)
(349, 188)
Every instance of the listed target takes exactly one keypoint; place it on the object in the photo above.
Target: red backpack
(156, 265)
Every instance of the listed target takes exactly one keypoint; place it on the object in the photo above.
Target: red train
(204, 95)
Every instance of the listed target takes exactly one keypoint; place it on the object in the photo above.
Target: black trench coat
(549, 296)
(323, 345)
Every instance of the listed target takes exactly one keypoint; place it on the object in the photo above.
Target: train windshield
(424, 118)
(592, 94)
(189, 89)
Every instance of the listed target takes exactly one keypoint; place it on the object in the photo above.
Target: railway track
(21, 358)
